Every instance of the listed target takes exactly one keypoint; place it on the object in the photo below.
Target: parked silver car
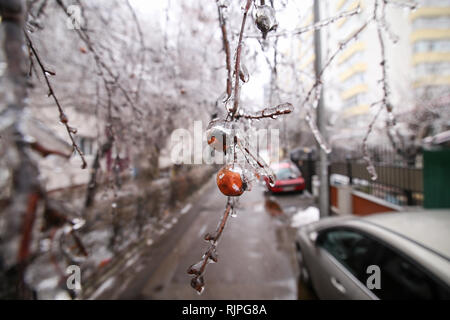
(382, 256)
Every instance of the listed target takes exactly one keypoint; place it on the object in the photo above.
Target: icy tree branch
(51, 92)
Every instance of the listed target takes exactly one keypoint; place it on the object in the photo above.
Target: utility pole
(324, 189)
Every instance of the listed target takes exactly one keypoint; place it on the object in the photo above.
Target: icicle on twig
(310, 119)
(403, 4)
(62, 116)
(315, 26)
(258, 163)
(366, 156)
(198, 269)
(226, 48)
(273, 113)
(385, 87)
(238, 61)
(318, 84)
(381, 24)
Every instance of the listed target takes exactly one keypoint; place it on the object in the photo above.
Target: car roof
(429, 228)
(280, 165)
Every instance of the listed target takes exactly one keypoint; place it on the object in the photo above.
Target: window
(437, 68)
(401, 278)
(287, 173)
(431, 22)
(357, 57)
(432, 46)
(357, 78)
(86, 144)
(354, 101)
(353, 250)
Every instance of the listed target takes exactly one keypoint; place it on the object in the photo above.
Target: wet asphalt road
(256, 251)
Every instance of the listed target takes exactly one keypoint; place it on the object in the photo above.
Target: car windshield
(285, 174)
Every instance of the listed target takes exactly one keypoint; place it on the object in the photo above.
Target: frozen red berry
(218, 135)
(230, 181)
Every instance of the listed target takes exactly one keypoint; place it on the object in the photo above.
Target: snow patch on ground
(202, 230)
(186, 208)
(304, 217)
(105, 285)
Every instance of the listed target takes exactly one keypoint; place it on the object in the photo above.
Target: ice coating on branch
(317, 135)
(371, 168)
(78, 223)
(265, 19)
(198, 283)
(218, 135)
(258, 165)
(233, 213)
(70, 245)
(213, 257)
(373, 172)
(273, 112)
(243, 73)
(195, 269)
(390, 115)
(284, 108)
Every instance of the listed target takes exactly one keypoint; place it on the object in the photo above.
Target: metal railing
(400, 185)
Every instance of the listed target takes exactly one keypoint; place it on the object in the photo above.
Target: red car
(289, 178)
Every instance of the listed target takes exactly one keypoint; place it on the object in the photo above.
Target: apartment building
(430, 42)
(417, 52)
(298, 48)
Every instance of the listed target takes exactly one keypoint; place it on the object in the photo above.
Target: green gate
(436, 178)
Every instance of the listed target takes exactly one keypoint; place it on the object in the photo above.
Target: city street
(256, 252)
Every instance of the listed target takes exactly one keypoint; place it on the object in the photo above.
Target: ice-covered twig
(380, 19)
(258, 162)
(226, 49)
(315, 26)
(403, 4)
(103, 69)
(366, 156)
(273, 113)
(342, 46)
(238, 61)
(380, 22)
(62, 116)
(198, 269)
(316, 88)
(101, 152)
(143, 52)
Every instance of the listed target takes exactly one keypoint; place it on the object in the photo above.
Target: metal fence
(399, 181)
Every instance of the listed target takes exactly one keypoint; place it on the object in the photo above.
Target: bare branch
(102, 66)
(237, 66)
(315, 26)
(62, 116)
(198, 269)
(273, 113)
(226, 48)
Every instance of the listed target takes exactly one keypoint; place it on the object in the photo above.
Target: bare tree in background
(139, 81)
(110, 65)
